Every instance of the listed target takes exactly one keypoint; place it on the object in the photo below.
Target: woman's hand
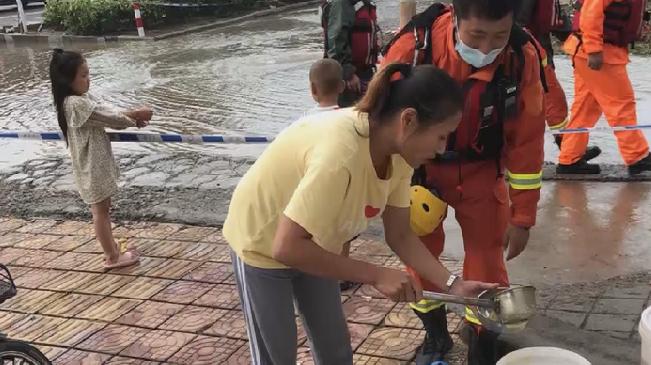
(397, 285)
(141, 115)
(470, 288)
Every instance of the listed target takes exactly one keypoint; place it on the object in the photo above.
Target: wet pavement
(250, 78)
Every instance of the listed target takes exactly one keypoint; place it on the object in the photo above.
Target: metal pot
(500, 310)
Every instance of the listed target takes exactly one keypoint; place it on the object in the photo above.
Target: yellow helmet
(427, 210)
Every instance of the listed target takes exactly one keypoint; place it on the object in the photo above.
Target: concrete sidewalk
(180, 305)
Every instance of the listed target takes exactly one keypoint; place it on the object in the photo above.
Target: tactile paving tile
(34, 278)
(32, 326)
(51, 352)
(215, 238)
(232, 325)
(211, 272)
(362, 310)
(394, 263)
(358, 333)
(127, 361)
(70, 332)
(198, 251)
(90, 247)
(221, 296)
(13, 239)
(157, 248)
(30, 301)
(11, 224)
(7, 319)
(373, 248)
(183, 292)
(194, 233)
(34, 242)
(145, 265)
(369, 291)
(71, 228)
(70, 305)
(31, 258)
(37, 226)
(109, 309)
(150, 314)
(370, 360)
(206, 350)
(142, 288)
(77, 357)
(159, 231)
(104, 284)
(158, 345)
(68, 243)
(241, 356)
(394, 343)
(112, 339)
(78, 261)
(403, 316)
(193, 319)
(222, 253)
(173, 269)
(69, 281)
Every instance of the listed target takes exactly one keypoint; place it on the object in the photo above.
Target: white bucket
(543, 356)
(645, 335)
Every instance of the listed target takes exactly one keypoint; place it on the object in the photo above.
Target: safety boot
(482, 345)
(591, 152)
(640, 166)
(438, 341)
(581, 167)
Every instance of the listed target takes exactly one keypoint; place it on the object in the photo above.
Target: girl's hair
(63, 71)
(426, 88)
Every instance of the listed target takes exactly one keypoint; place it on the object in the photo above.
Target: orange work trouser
(607, 90)
(480, 201)
(555, 101)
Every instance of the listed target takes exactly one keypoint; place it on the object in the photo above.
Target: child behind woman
(82, 120)
(326, 84)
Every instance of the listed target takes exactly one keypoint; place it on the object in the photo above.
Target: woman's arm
(414, 254)
(293, 246)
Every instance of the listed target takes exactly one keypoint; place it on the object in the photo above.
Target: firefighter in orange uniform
(602, 31)
(501, 135)
(542, 18)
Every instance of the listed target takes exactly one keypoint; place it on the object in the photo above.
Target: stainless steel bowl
(514, 306)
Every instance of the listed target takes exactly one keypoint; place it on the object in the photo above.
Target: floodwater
(245, 79)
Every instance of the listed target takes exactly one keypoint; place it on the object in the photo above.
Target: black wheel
(20, 353)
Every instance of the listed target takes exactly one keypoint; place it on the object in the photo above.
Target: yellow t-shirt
(319, 173)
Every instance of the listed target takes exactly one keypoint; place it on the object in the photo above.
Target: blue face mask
(472, 56)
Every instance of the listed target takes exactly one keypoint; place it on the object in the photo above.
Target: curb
(59, 41)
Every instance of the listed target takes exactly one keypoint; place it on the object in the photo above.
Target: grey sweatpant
(268, 297)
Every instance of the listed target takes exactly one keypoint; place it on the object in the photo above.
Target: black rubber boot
(438, 341)
(482, 346)
(591, 152)
(640, 166)
(580, 167)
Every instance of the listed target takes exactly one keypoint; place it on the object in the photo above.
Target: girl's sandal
(125, 259)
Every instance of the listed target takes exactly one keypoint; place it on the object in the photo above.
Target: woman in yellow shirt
(317, 186)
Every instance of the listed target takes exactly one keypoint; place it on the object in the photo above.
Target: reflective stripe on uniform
(426, 306)
(470, 317)
(560, 125)
(524, 181)
(544, 62)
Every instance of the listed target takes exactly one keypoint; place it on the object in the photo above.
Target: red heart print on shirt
(370, 211)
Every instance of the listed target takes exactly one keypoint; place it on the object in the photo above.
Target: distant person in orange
(542, 18)
(602, 31)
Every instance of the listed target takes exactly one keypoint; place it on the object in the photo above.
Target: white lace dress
(93, 166)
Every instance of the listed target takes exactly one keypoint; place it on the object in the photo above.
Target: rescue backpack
(487, 105)
(547, 16)
(365, 36)
(623, 21)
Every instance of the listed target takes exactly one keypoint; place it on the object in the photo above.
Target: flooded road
(250, 78)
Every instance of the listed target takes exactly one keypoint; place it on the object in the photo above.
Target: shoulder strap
(421, 21)
(519, 38)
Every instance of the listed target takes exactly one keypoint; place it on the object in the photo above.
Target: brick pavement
(180, 305)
